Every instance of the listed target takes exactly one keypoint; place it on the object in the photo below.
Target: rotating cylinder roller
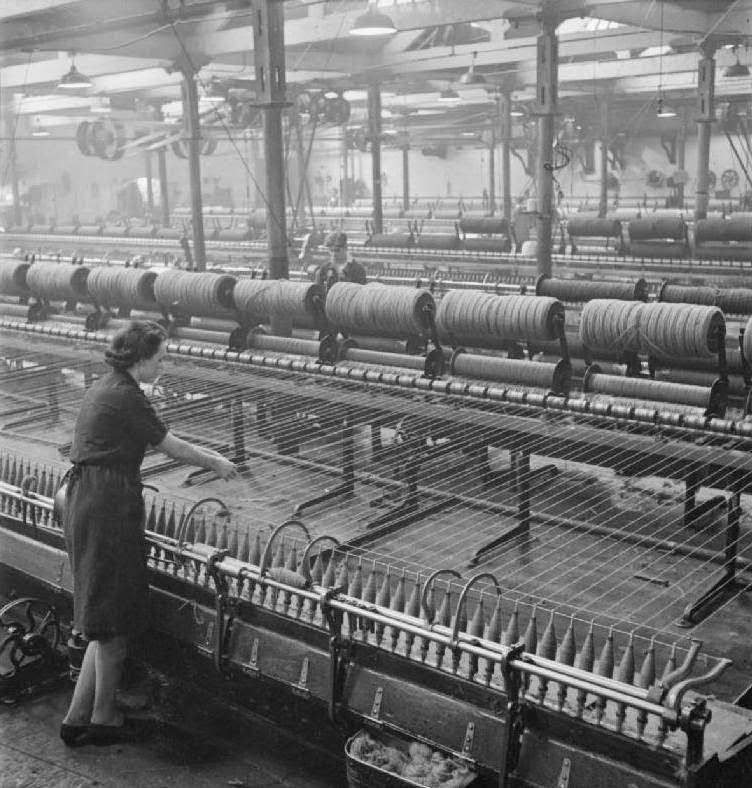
(610, 325)
(486, 225)
(658, 390)
(391, 240)
(205, 294)
(387, 309)
(731, 300)
(680, 329)
(554, 377)
(656, 329)
(591, 227)
(13, 278)
(577, 290)
(747, 342)
(463, 313)
(58, 281)
(257, 340)
(438, 242)
(262, 299)
(734, 229)
(657, 229)
(127, 287)
(499, 245)
(625, 408)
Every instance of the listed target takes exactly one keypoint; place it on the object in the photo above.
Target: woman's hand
(225, 469)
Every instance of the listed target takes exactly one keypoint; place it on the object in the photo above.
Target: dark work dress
(104, 522)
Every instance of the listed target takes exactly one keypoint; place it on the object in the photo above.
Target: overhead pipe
(705, 118)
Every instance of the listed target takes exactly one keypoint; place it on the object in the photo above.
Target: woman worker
(104, 525)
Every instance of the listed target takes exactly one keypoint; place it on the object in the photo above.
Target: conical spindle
(430, 614)
(547, 649)
(625, 673)
(443, 618)
(412, 608)
(565, 654)
(494, 632)
(355, 590)
(475, 630)
(398, 604)
(604, 667)
(383, 599)
(645, 680)
(585, 661)
(369, 595)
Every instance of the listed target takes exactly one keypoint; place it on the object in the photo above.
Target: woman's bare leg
(110, 657)
(82, 703)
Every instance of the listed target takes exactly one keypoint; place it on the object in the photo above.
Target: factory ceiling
(628, 50)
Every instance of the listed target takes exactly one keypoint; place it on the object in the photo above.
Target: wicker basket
(361, 774)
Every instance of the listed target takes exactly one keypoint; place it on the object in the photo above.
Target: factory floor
(197, 742)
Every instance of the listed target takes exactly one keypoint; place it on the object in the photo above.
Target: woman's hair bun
(137, 342)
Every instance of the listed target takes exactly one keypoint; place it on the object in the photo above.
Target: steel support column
(547, 90)
(149, 187)
(405, 177)
(505, 118)
(492, 174)
(705, 117)
(10, 136)
(603, 201)
(681, 159)
(374, 136)
(193, 133)
(269, 56)
(164, 200)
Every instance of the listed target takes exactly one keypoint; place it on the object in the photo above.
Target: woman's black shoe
(74, 735)
(132, 730)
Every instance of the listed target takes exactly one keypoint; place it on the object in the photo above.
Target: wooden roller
(590, 227)
(731, 230)
(555, 377)
(186, 292)
(463, 313)
(487, 225)
(664, 229)
(731, 300)
(380, 309)
(391, 240)
(448, 241)
(114, 286)
(581, 290)
(58, 281)
(13, 277)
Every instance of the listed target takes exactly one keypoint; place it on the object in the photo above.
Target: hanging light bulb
(74, 79)
(373, 23)
(663, 110)
(449, 96)
(38, 130)
(736, 69)
(471, 77)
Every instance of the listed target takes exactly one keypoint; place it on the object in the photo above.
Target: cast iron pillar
(681, 159)
(374, 135)
(603, 201)
(705, 118)
(547, 90)
(193, 134)
(269, 55)
(492, 174)
(149, 186)
(10, 126)
(164, 200)
(505, 117)
(406, 178)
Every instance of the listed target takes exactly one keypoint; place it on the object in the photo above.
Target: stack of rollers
(661, 237)
(574, 291)
(125, 288)
(731, 300)
(58, 282)
(725, 239)
(657, 329)
(485, 320)
(262, 300)
(13, 287)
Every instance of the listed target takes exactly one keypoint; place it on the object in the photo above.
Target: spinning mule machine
(458, 521)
